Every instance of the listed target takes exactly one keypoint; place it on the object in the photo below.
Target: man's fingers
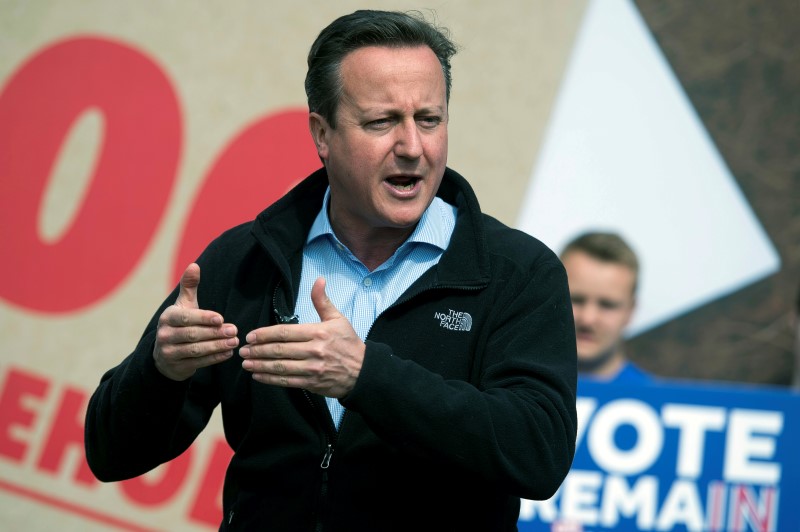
(323, 305)
(177, 316)
(190, 280)
(192, 335)
(206, 348)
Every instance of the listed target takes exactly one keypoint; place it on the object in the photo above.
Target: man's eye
(430, 121)
(380, 123)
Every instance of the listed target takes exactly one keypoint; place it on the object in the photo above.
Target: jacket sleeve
(514, 425)
(136, 418)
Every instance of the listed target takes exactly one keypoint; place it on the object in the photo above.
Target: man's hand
(324, 357)
(188, 337)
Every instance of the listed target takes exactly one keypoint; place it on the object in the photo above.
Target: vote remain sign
(678, 456)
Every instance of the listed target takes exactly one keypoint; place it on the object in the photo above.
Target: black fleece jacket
(465, 401)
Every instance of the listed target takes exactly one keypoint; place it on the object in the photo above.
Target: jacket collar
(282, 229)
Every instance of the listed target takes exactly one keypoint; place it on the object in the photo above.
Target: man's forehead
(390, 82)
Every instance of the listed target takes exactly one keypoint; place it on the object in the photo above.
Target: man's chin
(589, 351)
(405, 220)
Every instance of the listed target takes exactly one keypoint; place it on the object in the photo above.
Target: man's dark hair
(606, 247)
(368, 28)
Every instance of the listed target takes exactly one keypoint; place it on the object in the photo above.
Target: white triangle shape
(625, 151)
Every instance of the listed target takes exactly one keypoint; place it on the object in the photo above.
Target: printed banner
(675, 456)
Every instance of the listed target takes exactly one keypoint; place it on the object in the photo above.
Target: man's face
(387, 155)
(602, 302)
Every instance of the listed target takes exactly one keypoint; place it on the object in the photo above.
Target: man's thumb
(322, 304)
(190, 280)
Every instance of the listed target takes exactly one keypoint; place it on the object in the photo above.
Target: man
(603, 275)
(385, 356)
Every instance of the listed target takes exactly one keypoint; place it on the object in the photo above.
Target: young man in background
(603, 273)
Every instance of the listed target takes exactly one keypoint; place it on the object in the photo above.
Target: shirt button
(367, 281)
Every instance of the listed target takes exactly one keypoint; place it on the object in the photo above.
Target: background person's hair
(362, 28)
(606, 247)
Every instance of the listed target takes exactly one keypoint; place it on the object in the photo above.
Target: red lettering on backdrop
(66, 433)
(255, 169)
(18, 387)
(125, 199)
(127, 192)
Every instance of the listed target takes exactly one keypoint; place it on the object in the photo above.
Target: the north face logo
(454, 320)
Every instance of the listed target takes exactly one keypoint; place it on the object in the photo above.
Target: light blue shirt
(359, 294)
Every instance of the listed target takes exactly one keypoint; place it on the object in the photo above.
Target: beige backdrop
(230, 63)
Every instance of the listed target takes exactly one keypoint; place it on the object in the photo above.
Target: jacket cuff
(375, 369)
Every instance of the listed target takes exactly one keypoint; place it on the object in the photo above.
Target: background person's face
(602, 302)
(387, 155)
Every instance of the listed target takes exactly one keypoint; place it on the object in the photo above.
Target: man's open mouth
(403, 183)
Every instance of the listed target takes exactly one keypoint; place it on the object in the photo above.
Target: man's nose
(408, 143)
(586, 314)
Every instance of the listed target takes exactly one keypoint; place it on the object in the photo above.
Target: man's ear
(320, 129)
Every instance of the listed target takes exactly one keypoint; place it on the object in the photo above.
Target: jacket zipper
(281, 318)
(329, 431)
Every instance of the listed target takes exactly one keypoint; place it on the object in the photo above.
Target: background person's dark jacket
(446, 427)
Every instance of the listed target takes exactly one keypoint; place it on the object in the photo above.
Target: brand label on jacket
(454, 320)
